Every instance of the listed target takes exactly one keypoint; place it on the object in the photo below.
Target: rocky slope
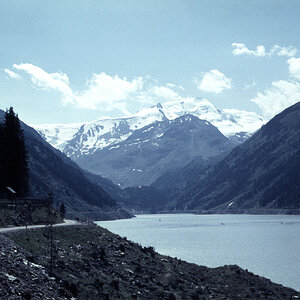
(20, 278)
(262, 173)
(92, 263)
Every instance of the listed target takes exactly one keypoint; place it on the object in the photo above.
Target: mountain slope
(261, 173)
(155, 149)
(52, 171)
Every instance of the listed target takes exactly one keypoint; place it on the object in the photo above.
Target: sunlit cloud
(48, 81)
(213, 81)
(260, 51)
(165, 92)
(12, 74)
(102, 92)
(107, 92)
(279, 96)
(294, 67)
(240, 49)
(282, 93)
(284, 51)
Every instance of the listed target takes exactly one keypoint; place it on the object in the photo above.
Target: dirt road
(66, 223)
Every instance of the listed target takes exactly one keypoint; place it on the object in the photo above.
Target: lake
(267, 245)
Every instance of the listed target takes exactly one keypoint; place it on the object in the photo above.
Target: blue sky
(72, 61)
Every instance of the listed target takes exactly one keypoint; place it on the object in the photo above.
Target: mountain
(155, 149)
(51, 171)
(260, 175)
(161, 193)
(80, 139)
(94, 145)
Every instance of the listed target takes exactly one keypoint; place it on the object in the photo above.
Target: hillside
(52, 171)
(261, 174)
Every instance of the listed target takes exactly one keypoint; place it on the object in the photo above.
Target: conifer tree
(13, 161)
(62, 211)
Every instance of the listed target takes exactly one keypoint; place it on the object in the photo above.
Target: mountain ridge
(155, 149)
(102, 133)
(261, 173)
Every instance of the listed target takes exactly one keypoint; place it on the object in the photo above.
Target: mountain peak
(105, 132)
(189, 118)
(158, 105)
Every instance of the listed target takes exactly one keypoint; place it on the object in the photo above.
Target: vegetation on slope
(92, 263)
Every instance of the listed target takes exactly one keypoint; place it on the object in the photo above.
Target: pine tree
(62, 210)
(13, 161)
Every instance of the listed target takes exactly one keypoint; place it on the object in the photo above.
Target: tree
(62, 210)
(13, 161)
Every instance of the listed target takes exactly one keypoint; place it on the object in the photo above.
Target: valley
(167, 158)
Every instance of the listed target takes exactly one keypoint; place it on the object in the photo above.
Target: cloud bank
(213, 81)
(102, 91)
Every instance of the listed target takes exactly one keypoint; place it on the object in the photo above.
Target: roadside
(67, 222)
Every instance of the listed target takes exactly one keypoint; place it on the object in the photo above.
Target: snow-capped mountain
(155, 149)
(85, 138)
(58, 134)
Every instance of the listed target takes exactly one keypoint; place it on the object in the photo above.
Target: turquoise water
(268, 245)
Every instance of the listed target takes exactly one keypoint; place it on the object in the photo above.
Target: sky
(75, 61)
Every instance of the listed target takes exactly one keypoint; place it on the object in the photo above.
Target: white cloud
(165, 92)
(48, 81)
(12, 74)
(284, 51)
(102, 91)
(294, 67)
(283, 93)
(213, 81)
(241, 48)
(107, 92)
(172, 85)
(248, 86)
(279, 96)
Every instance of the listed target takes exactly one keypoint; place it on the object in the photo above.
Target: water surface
(268, 245)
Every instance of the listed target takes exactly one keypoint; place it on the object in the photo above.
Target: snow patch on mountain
(85, 138)
(57, 134)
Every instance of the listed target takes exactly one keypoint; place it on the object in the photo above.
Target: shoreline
(91, 259)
